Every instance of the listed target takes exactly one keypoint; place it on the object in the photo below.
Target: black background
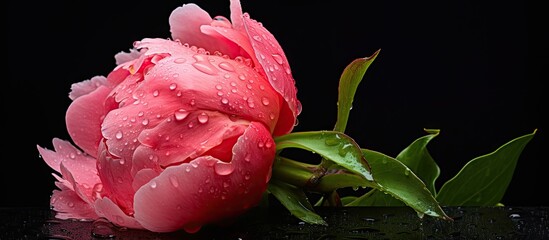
(472, 69)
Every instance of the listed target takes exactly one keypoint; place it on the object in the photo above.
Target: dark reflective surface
(275, 223)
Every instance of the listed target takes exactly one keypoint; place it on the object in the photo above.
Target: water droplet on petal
(203, 118)
(220, 21)
(153, 184)
(226, 66)
(224, 101)
(173, 86)
(265, 101)
(119, 135)
(223, 168)
(218, 87)
(181, 114)
(242, 77)
(174, 181)
(205, 67)
(156, 93)
(278, 58)
(179, 60)
(145, 122)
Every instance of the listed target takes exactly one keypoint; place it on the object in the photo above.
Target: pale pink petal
(116, 178)
(185, 22)
(106, 208)
(235, 43)
(86, 86)
(68, 205)
(274, 64)
(178, 140)
(207, 190)
(123, 57)
(81, 164)
(84, 117)
(83, 191)
(236, 15)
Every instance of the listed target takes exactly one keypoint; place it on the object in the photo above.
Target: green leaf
(484, 180)
(417, 158)
(393, 177)
(348, 83)
(335, 146)
(295, 200)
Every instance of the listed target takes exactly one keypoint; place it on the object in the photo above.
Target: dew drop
(268, 144)
(179, 60)
(173, 86)
(218, 87)
(265, 101)
(145, 122)
(153, 184)
(220, 21)
(203, 118)
(190, 125)
(174, 181)
(226, 66)
(222, 168)
(71, 204)
(119, 135)
(242, 77)
(278, 58)
(181, 114)
(251, 103)
(288, 71)
(72, 155)
(205, 67)
(140, 114)
(224, 101)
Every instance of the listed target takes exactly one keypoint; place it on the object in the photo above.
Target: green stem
(297, 173)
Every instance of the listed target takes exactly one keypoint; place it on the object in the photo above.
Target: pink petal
(177, 140)
(116, 178)
(123, 57)
(106, 208)
(80, 164)
(83, 186)
(142, 177)
(84, 117)
(271, 57)
(185, 22)
(186, 81)
(87, 86)
(207, 190)
(68, 204)
(236, 15)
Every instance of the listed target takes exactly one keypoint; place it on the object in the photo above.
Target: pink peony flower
(180, 133)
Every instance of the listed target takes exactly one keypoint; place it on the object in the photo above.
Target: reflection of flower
(179, 134)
